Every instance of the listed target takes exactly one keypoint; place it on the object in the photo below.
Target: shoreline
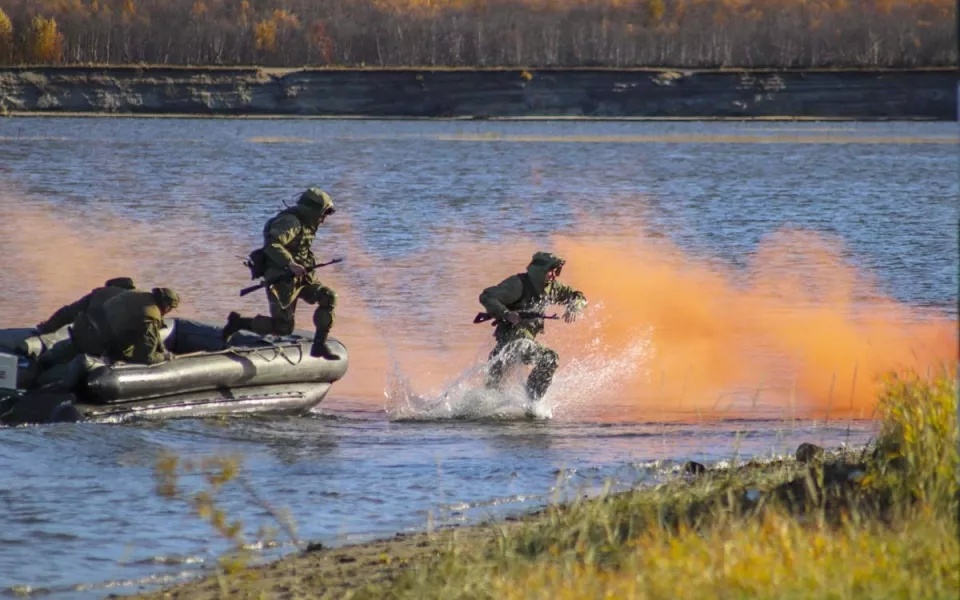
(332, 571)
(254, 117)
(492, 93)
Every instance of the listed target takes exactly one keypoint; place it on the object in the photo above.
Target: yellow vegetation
(885, 527)
(46, 42)
(691, 33)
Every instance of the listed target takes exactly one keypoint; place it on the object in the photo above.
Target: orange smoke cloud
(802, 327)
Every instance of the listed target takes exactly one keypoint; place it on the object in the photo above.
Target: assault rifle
(524, 315)
(287, 275)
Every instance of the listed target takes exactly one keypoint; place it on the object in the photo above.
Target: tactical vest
(299, 248)
(530, 300)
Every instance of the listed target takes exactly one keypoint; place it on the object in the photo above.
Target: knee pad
(322, 297)
(326, 299)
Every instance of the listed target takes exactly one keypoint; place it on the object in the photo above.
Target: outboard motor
(39, 407)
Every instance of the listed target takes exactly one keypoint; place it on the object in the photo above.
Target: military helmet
(317, 200)
(548, 261)
(120, 282)
(166, 297)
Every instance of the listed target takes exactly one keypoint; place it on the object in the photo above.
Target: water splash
(593, 371)
(465, 398)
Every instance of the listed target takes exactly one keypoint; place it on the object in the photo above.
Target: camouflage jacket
(66, 315)
(519, 293)
(287, 239)
(129, 326)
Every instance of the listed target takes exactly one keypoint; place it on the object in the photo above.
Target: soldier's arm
(282, 231)
(496, 298)
(568, 296)
(148, 349)
(65, 315)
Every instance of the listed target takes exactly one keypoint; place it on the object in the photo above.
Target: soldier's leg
(60, 353)
(545, 365)
(280, 322)
(496, 368)
(508, 351)
(325, 300)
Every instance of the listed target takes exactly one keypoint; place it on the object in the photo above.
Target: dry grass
(878, 523)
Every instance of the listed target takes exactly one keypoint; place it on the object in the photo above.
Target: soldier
(286, 245)
(516, 337)
(125, 328)
(66, 315)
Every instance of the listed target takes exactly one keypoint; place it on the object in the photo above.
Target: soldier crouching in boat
(124, 328)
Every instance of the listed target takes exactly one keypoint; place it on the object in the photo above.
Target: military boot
(321, 349)
(235, 323)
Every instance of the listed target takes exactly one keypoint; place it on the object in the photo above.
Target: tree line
(481, 33)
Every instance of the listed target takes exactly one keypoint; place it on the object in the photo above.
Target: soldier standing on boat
(528, 292)
(287, 239)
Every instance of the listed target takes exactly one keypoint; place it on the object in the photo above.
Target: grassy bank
(878, 522)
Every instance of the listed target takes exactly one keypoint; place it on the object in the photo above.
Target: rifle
(284, 277)
(524, 314)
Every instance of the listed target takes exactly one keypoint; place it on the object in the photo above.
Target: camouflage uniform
(125, 328)
(517, 343)
(287, 239)
(63, 351)
(66, 315)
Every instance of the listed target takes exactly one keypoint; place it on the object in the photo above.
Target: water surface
(430, 212)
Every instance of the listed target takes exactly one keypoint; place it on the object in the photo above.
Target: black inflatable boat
(254, 374)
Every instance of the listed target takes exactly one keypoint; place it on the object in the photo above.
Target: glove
(574, 310)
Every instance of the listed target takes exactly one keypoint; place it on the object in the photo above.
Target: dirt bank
(335, 572)
(490, 93)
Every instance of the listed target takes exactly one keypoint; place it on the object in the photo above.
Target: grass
(881, 522)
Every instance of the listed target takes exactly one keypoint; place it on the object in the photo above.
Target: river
(747, 283)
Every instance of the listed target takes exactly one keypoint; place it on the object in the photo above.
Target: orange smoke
(802, 330)
(798, 330)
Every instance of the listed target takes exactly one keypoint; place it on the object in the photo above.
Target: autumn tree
(44, 41)
(6, 37)
(528, 33)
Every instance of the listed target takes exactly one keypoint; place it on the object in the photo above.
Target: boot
(321, 349)
(538, 382)
(235, 323)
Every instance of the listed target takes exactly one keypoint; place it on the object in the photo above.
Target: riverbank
(504, 93)
(879, 521)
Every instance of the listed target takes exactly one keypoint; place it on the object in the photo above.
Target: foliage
(528, 33)
(875, 523)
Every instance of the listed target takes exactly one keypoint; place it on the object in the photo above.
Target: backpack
(257, 260)
(257, 263)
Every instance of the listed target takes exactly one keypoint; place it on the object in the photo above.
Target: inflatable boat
(253, 374)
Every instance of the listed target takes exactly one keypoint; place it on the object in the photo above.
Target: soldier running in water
(531, 291)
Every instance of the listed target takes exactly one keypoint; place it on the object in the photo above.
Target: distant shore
(492, 93)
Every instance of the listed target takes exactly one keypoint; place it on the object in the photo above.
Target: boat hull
(254, 375)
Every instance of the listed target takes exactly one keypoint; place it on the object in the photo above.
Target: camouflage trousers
(60, 362)
(520, 347)
(55, 362)
(283, 299)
